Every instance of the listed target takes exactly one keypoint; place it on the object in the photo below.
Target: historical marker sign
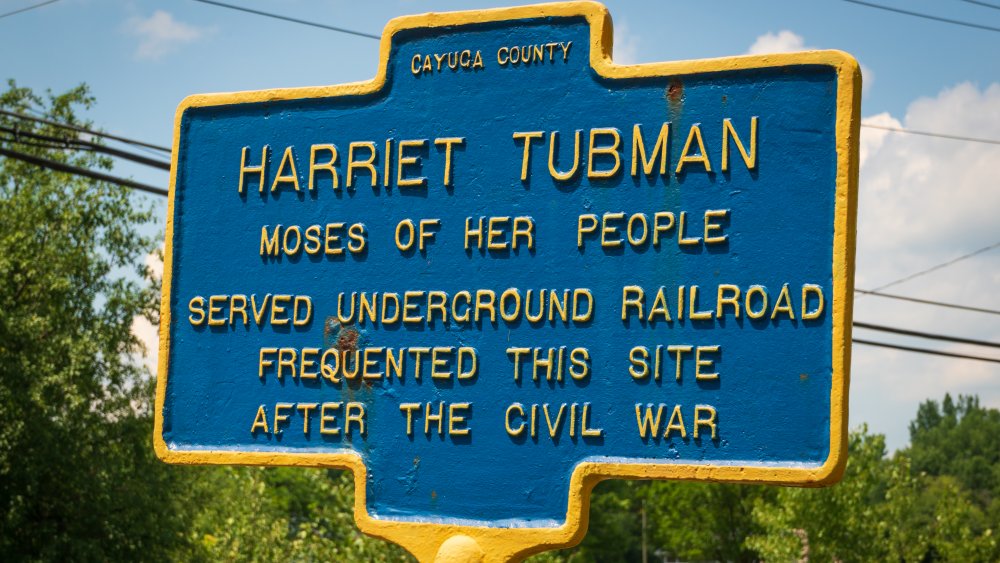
(507, 268)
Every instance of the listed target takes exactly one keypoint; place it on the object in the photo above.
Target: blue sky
(923, 200)
(142, 57)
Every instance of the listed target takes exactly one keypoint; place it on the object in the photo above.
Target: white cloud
(147, 333)
(932, 193)
(160, 34)
(782, 42)
(626, 45)
(873, 139)
(923, 201)
(786, 41)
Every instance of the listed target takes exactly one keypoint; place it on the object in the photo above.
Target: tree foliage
(962, 439)
(935, 501)
(277, 514)
(77, 480)
(683, 521)
(881, 511)
(839, 523)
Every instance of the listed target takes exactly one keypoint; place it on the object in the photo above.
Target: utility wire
(76, 170)
(84, 145)
(930, 134)
(925, 351)
(980, 3)
(155, 150)
(922, 15)
(926, 335)
(288, 19)
(928, 301)
(32, 7)
(85, 130)
(70, 169)
(39, 144)
(937, 267)
(147, 146)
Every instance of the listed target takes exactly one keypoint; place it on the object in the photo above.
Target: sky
(922, 200)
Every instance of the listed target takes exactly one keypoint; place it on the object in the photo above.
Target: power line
(930, 134)
(927, 301)
(980, 3)
(32, 7)
(85, 130)
(78, 171)
(926, 335)
(75, 170)
(39, 144)
(288, 19)
(162, 148)
(925, 351)
(922, 15)
(54, 142)
(937, 267)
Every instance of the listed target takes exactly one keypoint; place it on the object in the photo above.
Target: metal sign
(507, 268)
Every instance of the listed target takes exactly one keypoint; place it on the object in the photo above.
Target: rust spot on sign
(675, 98)
(347, 340)
(675, 92)
(343, 338)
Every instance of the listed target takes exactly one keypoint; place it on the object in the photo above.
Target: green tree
(77, 476)
(683, 520)
(928, 518)
(703, 521)
(837, 523)
(881, 511)
(956, 444)
(936, 501)
(962, 439)
(282, 514)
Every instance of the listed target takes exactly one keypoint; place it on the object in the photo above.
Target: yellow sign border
(424, 540)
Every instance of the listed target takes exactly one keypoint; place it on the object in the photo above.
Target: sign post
(507, 268)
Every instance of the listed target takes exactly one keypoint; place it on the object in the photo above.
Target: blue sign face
(508, 267)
